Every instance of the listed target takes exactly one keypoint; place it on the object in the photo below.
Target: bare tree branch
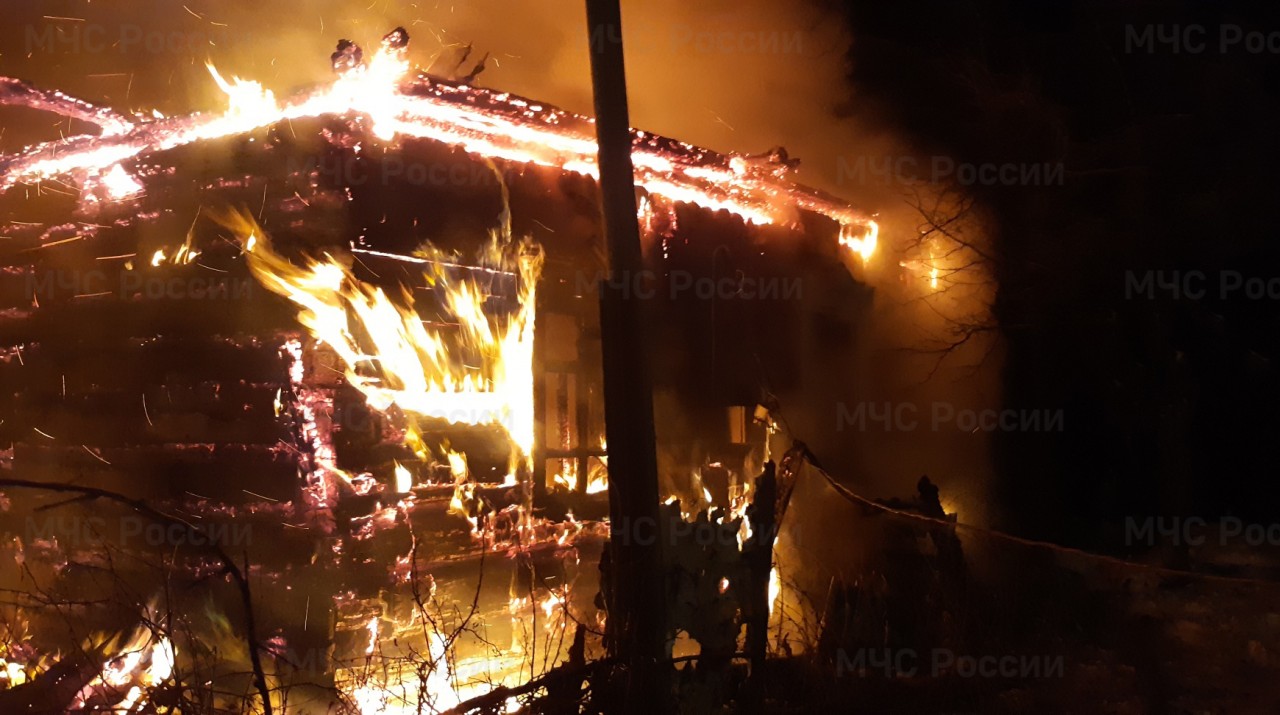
(229, 565)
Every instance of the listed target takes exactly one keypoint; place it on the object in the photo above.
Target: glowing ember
(118, 184)
(309, 404)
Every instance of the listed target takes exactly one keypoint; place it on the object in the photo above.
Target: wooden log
(234, 473)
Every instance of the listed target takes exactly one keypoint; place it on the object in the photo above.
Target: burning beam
(20, 94)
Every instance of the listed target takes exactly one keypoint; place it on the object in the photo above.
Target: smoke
(732, 75)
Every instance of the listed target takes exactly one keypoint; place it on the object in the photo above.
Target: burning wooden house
(321, 378)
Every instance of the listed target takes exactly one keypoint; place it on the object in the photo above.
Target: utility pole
(637, 609)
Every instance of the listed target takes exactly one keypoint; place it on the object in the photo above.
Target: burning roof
(400, 102)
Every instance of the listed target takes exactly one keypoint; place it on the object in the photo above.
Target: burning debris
(347, 57)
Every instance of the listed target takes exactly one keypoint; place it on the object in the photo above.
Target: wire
(854, 497)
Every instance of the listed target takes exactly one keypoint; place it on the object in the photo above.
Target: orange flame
(399, 361)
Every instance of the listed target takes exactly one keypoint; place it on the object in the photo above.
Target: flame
(394, 360)
(554, 601)
(598, 481)
(863, 245)
(185, 254)
(775, 589)
(438, 694)
(387, 352)
(372, 627)
(375, 84)
(567, 475)
(404, 479)
(414, 440)
(739, 499)
(463, 500)
(457, 466)
(933, 270)
(12, 673)
(248, 99)
(929, 269)
(310, 404)
(142, 661)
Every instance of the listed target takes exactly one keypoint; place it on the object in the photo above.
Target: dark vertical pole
(637, 611)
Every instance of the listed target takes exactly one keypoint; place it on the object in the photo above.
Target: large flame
(479, 374)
